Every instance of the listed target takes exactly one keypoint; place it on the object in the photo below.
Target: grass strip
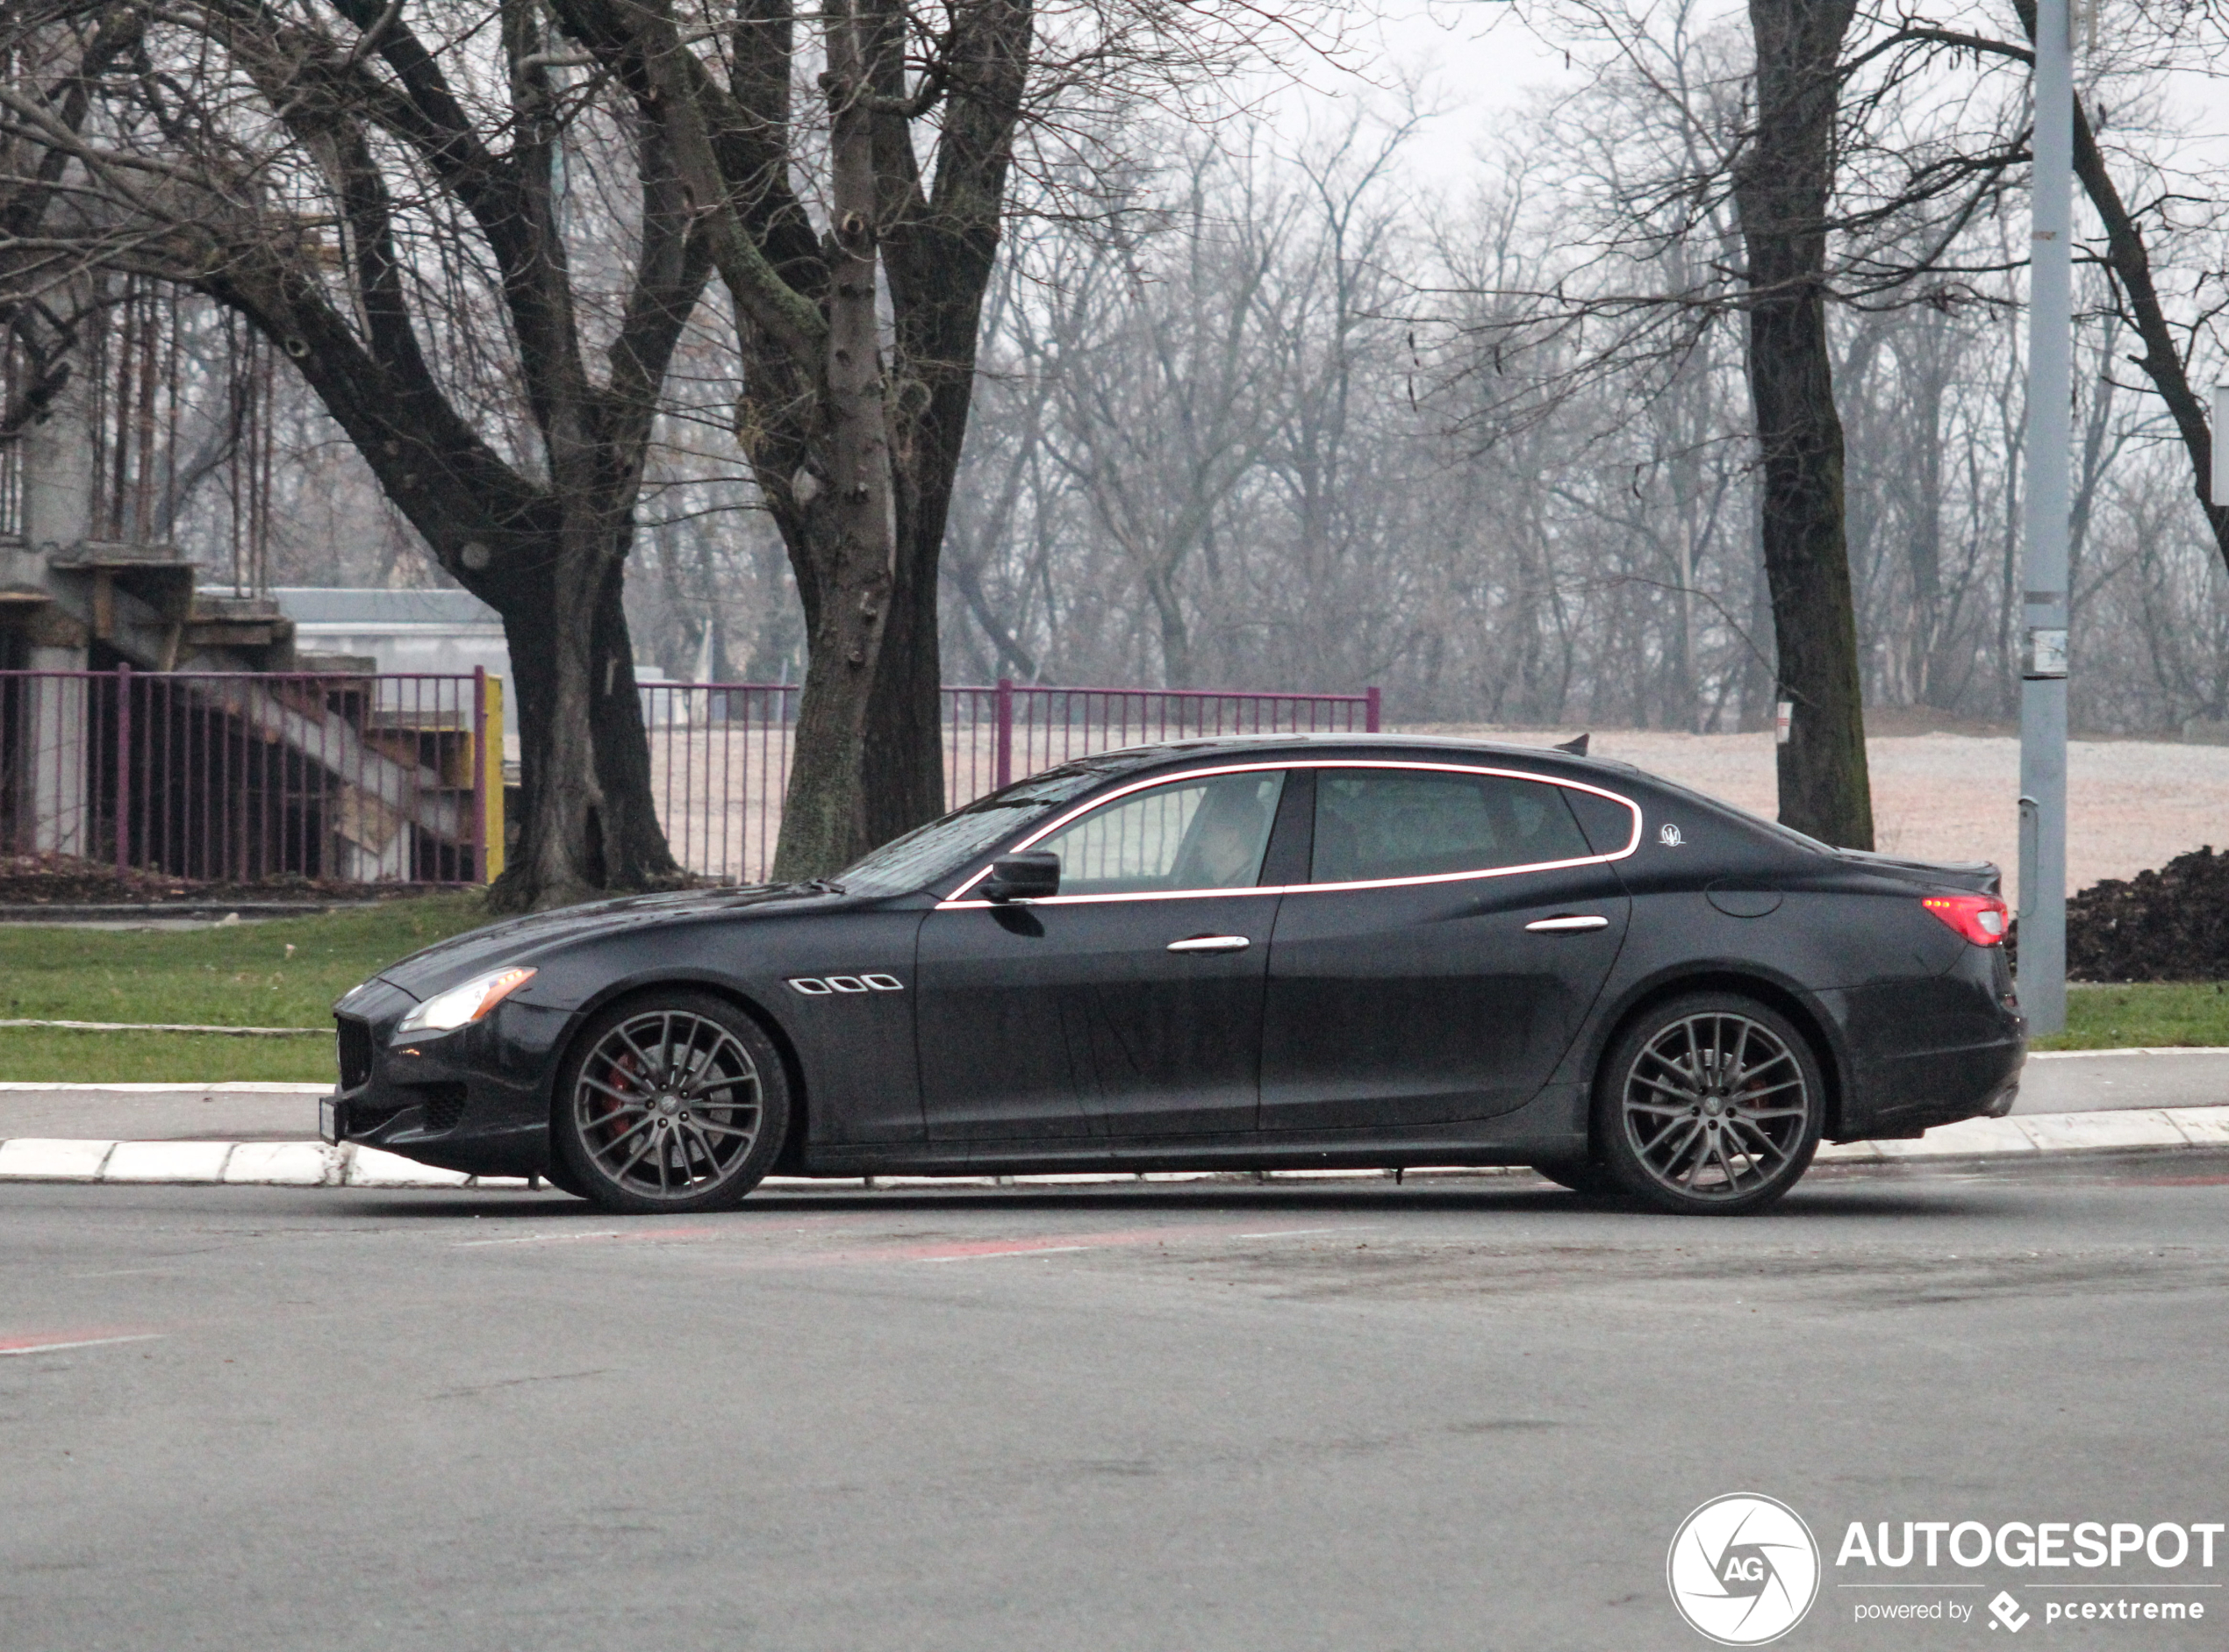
(2153, 1014)
(284, 973)
(47, 1055)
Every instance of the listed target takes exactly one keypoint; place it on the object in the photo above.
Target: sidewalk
(2069, 1081)
(2086, 1081)
(263, 1134)
(313, 1164)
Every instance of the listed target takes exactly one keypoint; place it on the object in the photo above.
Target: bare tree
(1784, 183)
(402, 213)
(855, 433)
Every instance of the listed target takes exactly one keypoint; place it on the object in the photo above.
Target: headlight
(460, 1006)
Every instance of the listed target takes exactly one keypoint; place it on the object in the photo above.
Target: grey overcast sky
(1484, 56)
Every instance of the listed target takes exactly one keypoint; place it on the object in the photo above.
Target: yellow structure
(490, 755)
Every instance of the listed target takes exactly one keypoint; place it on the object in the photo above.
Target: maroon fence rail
(243, 778)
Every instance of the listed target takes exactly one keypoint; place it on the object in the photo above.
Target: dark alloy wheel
(672, 1103)
(1708, 1105)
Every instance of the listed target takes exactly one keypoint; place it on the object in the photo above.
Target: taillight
(1981, 919)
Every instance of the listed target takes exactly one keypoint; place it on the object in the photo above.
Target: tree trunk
(854, 458)
(584, 737)
(1781, 187)
(825, 818)
(631, 843)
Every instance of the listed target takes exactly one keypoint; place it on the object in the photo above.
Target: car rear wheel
(1708, 1105)
(670, 1104)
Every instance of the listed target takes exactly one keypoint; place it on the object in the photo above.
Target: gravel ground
(2133, 804)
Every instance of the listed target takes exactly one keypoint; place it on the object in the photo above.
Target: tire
(1580, 1176)
(670, 1103)
(1708, 1105)
(560, 1176)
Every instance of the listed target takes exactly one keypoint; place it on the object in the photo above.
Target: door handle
(1211, 943)
(1570, 925)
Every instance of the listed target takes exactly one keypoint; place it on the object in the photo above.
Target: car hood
(519, 940)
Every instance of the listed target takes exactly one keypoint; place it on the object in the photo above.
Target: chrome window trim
(955, 901)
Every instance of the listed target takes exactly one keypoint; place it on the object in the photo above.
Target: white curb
(369, 1167)
(313, 1164)
(284, 1165)
(30, 1160)
(236, 1163)
(220, 1087)
(167, 1161)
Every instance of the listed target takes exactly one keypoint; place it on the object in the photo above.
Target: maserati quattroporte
(1265, 954)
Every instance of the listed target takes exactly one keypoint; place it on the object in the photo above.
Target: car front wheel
(1580, 1176)
(1708, 1105)
(670, 1104)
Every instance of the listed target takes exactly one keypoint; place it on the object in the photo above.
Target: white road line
(1294, 1233)
(532, 1239)
(994, 1255)
(89, 1342)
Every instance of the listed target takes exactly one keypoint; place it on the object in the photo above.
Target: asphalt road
(1191, 1417)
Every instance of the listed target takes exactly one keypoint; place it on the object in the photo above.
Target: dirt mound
(2167, 925)
(67, 880)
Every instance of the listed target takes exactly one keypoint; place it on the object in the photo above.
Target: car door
(1455, 929)
(1127, 1006)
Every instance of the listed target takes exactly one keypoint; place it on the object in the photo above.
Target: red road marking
(761, 1238)
(968, 1250)
(55, 1341)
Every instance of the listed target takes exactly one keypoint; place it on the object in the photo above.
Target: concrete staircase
(134, 603)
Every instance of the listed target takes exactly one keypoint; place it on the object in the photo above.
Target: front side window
(1194, 834)
(1381, 823)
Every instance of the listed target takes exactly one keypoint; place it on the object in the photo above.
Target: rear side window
(1378, 823)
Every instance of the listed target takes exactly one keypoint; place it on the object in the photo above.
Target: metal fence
(239, 777)
(719, 752)
(243, 778)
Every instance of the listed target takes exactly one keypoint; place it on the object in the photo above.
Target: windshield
(913, 861)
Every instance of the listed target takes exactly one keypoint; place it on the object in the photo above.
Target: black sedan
(1269, 954)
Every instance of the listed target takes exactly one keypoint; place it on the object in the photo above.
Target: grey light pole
(2043, 658)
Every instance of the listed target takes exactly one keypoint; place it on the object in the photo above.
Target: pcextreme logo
(1743, 1569)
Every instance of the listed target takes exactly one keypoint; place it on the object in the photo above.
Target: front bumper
(474, 1100)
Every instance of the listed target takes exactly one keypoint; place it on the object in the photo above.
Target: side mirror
(1031, 876)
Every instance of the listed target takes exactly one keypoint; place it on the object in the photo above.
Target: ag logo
(1743, 1569)
(1668, 835)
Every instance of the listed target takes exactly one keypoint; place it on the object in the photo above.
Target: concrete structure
(144, 732)
(439, 631)
(81, 589)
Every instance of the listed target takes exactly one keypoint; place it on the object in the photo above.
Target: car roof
(1131, 758)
